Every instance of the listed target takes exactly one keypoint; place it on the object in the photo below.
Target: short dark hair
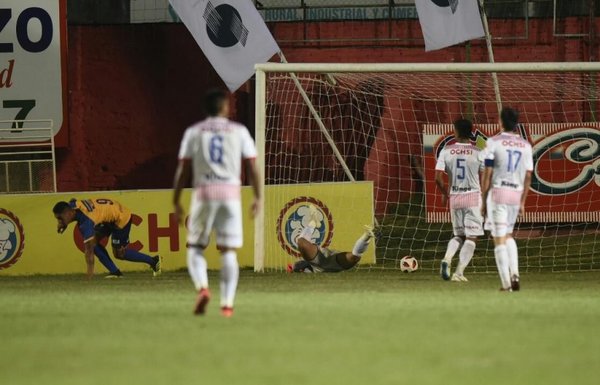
(509, 118)
(61, 207)
(464, 128)
(214, 101)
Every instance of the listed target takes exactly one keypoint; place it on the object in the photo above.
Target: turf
(353, 328)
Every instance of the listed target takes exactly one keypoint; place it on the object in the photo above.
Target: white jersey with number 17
(462, 164)
(511, 157)
(216, 147)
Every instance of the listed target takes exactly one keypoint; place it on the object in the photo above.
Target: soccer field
(353, 328)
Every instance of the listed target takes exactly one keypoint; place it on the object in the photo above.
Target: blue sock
(105, 260)
(136, 256)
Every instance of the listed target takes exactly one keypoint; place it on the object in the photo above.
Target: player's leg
(200, 223)
(307, 249)
(104, 258)
(464, 257)
(230, 237)
(120, 240)
(349, 260)
(499, 216)
(511, 247)
(457, 217)
(103, 231)
(473, 225)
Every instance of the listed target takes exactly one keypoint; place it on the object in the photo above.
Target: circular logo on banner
(296, 215)
(12, 239)
(224, 25)
(453, 4)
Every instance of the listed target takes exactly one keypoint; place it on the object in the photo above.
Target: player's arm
(486, 184)
(89, 256)
(439, 181)
(182, 177)
(86, 227)
(252, 173)
(526, 185)
(487, 157)
(440, 169)
(528, 163)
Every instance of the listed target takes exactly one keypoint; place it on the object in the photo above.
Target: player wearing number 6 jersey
(508, 166)
(97, 218)
(462, 164)
(213, 150)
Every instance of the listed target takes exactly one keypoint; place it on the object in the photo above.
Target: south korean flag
(232, 35)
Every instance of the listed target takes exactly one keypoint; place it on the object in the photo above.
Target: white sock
(197, 267)
(501, 254)
(230, 273)
(453, 247)
(361, 245)
(466, 253)
(513, 256)
(306, 233)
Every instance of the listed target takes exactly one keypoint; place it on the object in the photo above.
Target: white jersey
(462, 163)
(216, 147)
(511, 158)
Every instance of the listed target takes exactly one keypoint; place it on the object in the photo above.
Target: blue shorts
(120, 237)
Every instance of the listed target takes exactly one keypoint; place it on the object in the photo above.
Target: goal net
(359, 143)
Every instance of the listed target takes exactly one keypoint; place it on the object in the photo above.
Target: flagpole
(488, 41)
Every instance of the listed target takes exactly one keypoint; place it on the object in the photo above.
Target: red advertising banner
(565, 185)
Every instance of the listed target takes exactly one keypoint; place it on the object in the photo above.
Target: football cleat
(201, 301)
(369, 231)
(227, 312)
(459, 278)
(514, 283)
(117, 274)
(445, 270)
(157, 269)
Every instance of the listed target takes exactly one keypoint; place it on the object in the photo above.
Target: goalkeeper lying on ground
(317, 259)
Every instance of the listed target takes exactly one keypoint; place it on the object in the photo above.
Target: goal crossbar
(429, 67)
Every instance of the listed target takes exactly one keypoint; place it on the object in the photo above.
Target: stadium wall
(134, 88)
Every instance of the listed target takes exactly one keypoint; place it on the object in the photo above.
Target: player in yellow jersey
(97, 218)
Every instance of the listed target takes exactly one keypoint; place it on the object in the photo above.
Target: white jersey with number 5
(511, 158)
(216, 147)
(462, 164)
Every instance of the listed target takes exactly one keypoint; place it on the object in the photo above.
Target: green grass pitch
(361, 327)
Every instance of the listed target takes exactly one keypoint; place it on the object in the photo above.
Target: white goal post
(382, 124)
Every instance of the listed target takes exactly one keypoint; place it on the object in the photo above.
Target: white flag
(448, 22)
(232, 35)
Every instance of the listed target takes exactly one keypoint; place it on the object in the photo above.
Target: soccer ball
(408, 264)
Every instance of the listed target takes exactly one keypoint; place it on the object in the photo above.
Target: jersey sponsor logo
(296, 215)
(581, 147)
(461, 152)
(509, 184)
(12, 239)
(461, 189)
(224, 25)
(453, 4)
(513, 143)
